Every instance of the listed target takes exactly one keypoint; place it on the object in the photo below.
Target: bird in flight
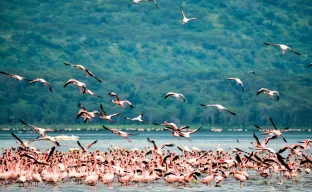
(238, 82)
(107, 117)
(269, 92)
(84, 69)
(283, 47)
(119, 102)
(220, 107)
(82, 87)
(41, 81)
(120, 133)
(175, 95)
(185, 19)
(17, 77)
(41, 131)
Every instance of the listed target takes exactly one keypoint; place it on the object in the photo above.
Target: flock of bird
(26, 164)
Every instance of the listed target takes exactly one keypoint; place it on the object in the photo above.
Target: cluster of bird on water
(26, 164)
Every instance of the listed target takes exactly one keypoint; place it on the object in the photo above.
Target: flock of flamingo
(26, 164)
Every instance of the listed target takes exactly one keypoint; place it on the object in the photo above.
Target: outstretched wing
(273, 123)
(69, 64)
(258, 127)
(261, 90)
(256, 138)
(5, 73)
(167, 145)
(294, 51)
(230, 112)
(51, 153)
(107, 128)
(91, 74)
(94, 142)
(182, 12)
(21, 142)
(280, 159)
(102, 110)
(28, 124)
(271, 44)
(50, 88)
(169, 94)
(80, 145)
(197, 129)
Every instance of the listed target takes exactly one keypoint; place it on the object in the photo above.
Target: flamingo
(185, 19)
(17, 77)
(82, 87)
(85, 149)
(41, 81)
(120, 133)
(48, 138)
(41, 131)
(283, 47)
(121, 103)
(187, 135)
(220, 107)
(88, 91)
(238, 82)
(274, 131)
(138, 118)
(25, 145)
(175, 95)
(269, 93)
(85, 70)
(107, 117)
(87, 115)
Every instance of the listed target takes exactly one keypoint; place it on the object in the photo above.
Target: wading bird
(283, 47)
(19, 78)
(82, 87)
(120, 103)
(85, 70)
(273, 132)
(85, 149)
(185, 19)
(41, 81)
(121, 133)
(41, 131)
(91, 93)
(238, 82)
(175, 95)
(220, 107)
(269, 93)
(138, 118)
(107, 117)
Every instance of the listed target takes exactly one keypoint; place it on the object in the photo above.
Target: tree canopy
(141, 53)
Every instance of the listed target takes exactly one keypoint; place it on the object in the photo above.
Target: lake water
(203, 140)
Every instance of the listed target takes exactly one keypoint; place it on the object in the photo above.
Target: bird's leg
(283, 52)
(128, 139)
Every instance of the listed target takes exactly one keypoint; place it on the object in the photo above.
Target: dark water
(203, 140)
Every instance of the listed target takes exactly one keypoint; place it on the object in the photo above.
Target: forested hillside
(141, 53)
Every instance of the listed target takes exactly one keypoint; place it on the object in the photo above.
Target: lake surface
(203, 140)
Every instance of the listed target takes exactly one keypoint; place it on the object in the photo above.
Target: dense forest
(141, 53)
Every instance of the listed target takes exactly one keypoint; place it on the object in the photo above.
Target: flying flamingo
(17, 77)
(283, 47)
(41, 81)
(85, 70)
(120, 133)
(121, 103)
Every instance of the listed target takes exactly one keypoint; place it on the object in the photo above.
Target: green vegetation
(141, 53)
